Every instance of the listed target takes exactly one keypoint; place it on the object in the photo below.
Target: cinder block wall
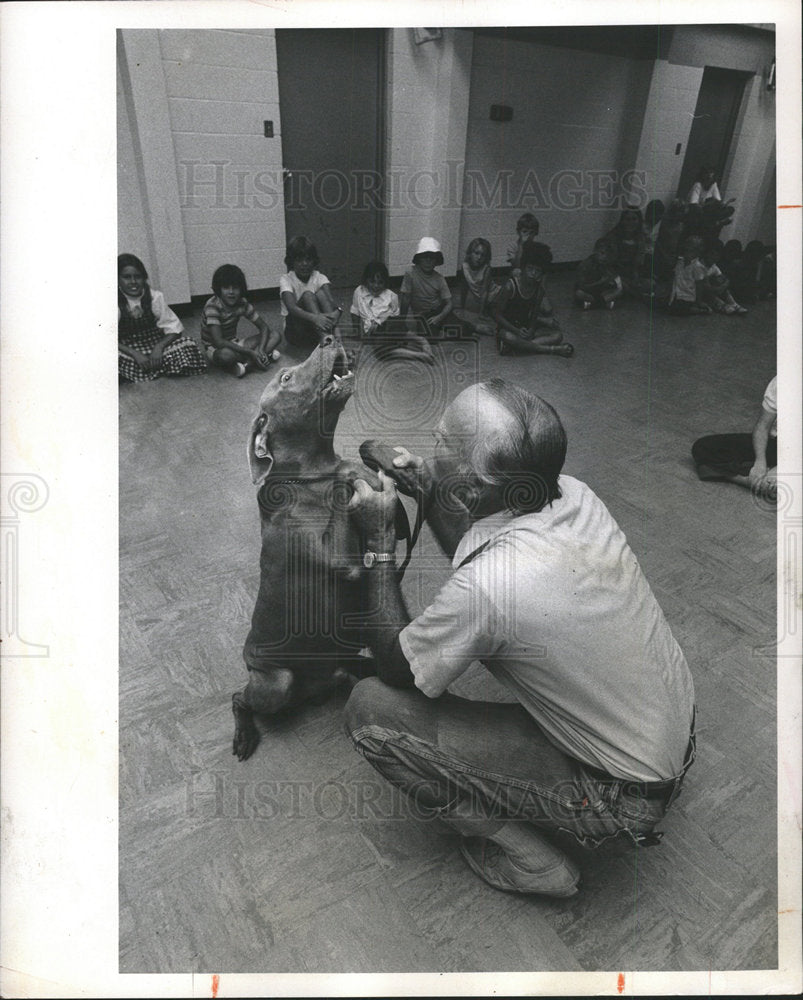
(200, 185)
(199, 100)
(427, 113)
(221, 87)
(574, 133)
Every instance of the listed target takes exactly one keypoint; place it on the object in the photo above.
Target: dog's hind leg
(265, 694)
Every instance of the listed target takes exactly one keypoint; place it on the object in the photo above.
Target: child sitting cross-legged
(527, 229)
(221, 315)
(688, 282)
(150, 339)
(598, 282)
(376, 307)
(523, 309)
(716, 290)
(424, 291)
(476, 289)
(310, 312)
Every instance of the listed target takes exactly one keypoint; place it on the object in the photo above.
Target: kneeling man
(547, 594)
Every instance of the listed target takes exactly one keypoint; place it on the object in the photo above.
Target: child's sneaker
(586, 305)
(239, 369)
(274, 355)
(612, 303)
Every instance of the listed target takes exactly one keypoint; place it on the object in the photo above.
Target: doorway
(718, 103)
(331, 89)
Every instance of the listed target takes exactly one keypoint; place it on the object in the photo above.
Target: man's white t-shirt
(558, 609)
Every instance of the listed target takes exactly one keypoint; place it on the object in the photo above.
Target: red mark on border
(790, 206)
(620, 983)
(216, 984)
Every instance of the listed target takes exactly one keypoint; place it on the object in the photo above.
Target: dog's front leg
(246, 734)
(266, 693)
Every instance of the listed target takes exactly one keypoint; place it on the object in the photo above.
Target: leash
(379, 456)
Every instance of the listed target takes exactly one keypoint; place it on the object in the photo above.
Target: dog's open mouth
(341, 377)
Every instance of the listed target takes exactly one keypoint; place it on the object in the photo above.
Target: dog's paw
(246, 740)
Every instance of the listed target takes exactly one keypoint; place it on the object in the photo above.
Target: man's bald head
(510, 439)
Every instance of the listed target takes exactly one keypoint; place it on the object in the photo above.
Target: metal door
(332, 103)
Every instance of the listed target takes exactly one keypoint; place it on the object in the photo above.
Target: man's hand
(374, 511)
(412, 475)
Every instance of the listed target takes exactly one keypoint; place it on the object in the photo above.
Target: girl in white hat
(423, 289)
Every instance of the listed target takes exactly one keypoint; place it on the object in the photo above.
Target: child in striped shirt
(221, 315)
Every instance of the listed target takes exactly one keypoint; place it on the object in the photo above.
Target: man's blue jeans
(478, 765)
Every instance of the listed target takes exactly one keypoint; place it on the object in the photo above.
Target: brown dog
(305, 630)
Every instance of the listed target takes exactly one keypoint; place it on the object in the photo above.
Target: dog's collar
(297, 479)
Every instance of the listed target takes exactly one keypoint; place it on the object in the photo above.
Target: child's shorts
(209, 349)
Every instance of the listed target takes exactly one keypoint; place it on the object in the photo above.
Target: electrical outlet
(268, 130)
(501, 113)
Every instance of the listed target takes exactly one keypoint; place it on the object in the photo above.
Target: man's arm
(446, 515)
(389, 615)
(761, 434)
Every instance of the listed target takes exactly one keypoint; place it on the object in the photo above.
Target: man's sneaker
(558, 876)
(239, 369)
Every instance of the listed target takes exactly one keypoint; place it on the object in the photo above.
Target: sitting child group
(670, 258)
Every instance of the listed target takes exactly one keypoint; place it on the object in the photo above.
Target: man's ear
(260, 456)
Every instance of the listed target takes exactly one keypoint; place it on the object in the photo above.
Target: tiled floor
(300, 859)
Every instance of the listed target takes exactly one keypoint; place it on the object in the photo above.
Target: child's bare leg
(545, 338)
(327, 305)
(611, 295)
(586, 299)
(226, 359)
(310, 304)
(548, 343)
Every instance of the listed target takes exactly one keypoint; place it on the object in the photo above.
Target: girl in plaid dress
(149, 341)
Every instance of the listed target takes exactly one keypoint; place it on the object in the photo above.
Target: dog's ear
(260, 456)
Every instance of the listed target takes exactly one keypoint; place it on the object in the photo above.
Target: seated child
(523, 308)
(307, 305)
(653, 216)
(598, 282)
(527, 228)
(748, 459)
(688, 285)
(716, 291)
(744, 268)
(760, 266)
(423, 289)
(476, 288)
(222, 313)
(667, 243)
(376, 307)
(631, 249)
(149, 341)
